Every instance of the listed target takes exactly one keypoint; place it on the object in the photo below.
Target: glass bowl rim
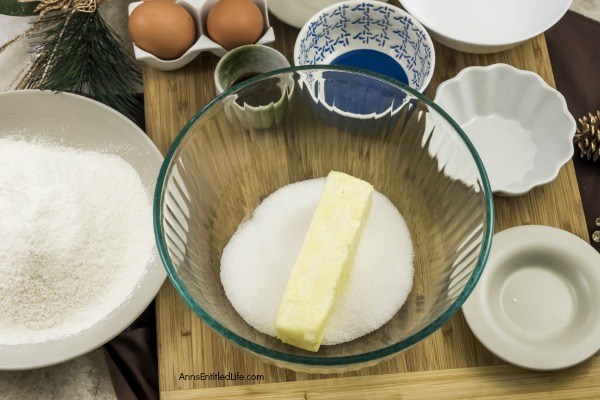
(319, 360)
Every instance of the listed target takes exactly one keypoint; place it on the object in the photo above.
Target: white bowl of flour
(78, 261)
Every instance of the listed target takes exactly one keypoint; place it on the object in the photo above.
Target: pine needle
(78, 52)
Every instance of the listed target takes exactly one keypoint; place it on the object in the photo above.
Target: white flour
(75, 238)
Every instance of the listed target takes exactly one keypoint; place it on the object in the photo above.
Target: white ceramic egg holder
(199, 9)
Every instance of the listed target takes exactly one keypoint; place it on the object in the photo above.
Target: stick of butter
(326, 257)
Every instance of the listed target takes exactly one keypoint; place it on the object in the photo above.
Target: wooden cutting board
(437, 364)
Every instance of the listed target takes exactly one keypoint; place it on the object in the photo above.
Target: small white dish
(198, 9)
(74, 121)
(537, 303)
(477, 26)
(520, 126)
(297, 12)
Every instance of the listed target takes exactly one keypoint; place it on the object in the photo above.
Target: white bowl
(486, 26)
(78, 122)
(198, 9)
(520, 126)
(537, 304)
(297, 12)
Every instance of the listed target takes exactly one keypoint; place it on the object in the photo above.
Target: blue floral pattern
(368, 25)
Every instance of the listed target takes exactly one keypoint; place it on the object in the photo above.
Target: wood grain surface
(497, 382)
(186, 345)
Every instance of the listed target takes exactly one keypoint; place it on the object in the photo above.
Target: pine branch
(78, 52)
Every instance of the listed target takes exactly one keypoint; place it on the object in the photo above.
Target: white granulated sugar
(258, 260)
(75, 239)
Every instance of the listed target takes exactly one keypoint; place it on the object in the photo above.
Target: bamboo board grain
(496, 382)
(186, 345)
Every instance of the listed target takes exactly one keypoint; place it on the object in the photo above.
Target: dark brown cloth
(573, 44)
(132, 359)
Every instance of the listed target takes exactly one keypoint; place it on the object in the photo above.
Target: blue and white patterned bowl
(367, 26)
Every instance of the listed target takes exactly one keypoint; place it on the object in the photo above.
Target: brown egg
(162, 28)
(233, 23)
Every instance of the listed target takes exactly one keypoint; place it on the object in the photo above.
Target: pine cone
(587, 137)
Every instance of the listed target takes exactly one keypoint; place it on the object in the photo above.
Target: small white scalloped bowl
(520, 126)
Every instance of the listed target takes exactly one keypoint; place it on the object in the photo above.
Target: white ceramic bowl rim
(516, 248)
(396, 10)
(19, 357)
(522, 187)
(474, 39)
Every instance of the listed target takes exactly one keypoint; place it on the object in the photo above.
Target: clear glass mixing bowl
(298, 124)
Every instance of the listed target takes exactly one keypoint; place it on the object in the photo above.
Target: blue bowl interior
(374, 61)
(357, 94)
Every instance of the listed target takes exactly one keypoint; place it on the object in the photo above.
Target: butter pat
(324, 261)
